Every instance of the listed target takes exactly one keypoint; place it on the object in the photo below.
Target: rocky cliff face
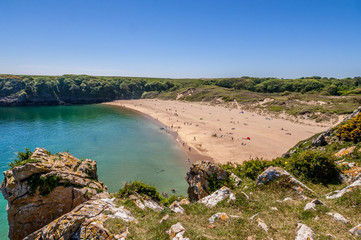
(46, 188)
(85, 222)
(199, 178)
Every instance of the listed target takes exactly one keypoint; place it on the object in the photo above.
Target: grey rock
(219, 195)
(338, 217)
(356, 230)
(304, 232)
(274, 173)
(176, 232)
(340, 193)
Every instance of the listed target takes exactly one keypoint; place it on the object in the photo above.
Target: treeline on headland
(24, 89)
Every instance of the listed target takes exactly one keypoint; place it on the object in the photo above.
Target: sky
(181, 38)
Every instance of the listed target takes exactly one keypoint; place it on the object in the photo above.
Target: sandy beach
(223, 134)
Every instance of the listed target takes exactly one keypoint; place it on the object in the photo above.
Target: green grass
(281, 223)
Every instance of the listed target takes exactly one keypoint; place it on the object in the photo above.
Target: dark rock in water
(198, 176)
(46, 188)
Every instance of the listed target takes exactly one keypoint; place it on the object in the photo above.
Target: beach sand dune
(225, 134)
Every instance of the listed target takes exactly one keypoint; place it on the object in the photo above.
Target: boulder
(165, 218)
(176, 207)
(338, 217)
(274, 173)
(356, 230)
(184, 201)
(304, 232)
(321, 139)
(222, 216)
(176, 232)
(86, 221)
(145, 202)
(354, 114)
(340, 193)
(43, 190)
(219, 195)
(237, 181)
(261, 224)
(345, 151)
(198, 178)
(312, 205)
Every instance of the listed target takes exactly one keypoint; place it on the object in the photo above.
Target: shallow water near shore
(127, 146)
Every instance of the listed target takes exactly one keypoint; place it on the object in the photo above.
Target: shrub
(351, 130)
(22, 159)
(140, 188)
(214, 183)
(44, 184)
(315, 166)
(255, 167)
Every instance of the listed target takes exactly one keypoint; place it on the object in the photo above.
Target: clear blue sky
(176, 38)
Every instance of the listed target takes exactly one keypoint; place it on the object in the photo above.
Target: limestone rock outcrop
(85, 222)
(304, 232)
(340, 193)
(176, 232)
(219, 195)
(276, 173)
(198, 178)
(46, 188)
(146, 202)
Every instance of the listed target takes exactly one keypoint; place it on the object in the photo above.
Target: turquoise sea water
(126, 146)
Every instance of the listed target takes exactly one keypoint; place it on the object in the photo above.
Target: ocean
(126, 145)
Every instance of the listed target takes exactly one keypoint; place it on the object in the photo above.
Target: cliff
(46, 187)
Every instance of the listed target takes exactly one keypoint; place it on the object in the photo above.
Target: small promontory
(41, 187)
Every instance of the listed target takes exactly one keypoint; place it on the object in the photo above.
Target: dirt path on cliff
(225, 134)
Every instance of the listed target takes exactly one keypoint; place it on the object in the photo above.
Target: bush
(45, 184)
(351, 130)
(22, 159)
(140, 188)
(214, 183)
(254, 167)
(315, 166)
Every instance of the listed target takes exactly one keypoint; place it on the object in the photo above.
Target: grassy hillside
(314, 97)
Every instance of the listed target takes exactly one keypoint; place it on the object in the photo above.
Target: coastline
(193, 155)
(220, 134)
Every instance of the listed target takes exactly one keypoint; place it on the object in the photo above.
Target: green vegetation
(215, 184)
(145, 191)
(318, 98)
(310, 165)
(22, 159)
(140, 188)
(44, 184)
(315, 166)
(281, 222)
(351, 130)
(254, 167)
